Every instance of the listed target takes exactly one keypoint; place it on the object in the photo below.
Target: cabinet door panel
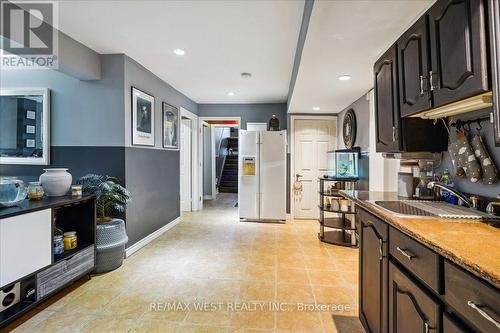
(414, 94)
(458, 49)
(386, 102)
(25, 245)
(373, 270)
(410, 308)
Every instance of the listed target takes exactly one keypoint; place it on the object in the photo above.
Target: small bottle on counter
(35, 191)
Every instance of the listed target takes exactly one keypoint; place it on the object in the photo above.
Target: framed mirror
(25, 126)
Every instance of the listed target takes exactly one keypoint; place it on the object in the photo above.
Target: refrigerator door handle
(257, 204)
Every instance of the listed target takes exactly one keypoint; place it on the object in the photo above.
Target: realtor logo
(29, 34)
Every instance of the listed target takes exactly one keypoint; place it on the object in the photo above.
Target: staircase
(229, 180)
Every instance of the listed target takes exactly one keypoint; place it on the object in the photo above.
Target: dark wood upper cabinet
(386, 102)
(373, 273)
(458, 50)
(411, 309)
(414, 94)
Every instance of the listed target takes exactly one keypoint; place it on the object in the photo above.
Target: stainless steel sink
(435, 209)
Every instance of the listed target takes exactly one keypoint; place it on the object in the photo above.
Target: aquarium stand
(337, 215)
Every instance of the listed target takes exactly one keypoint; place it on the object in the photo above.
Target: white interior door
(186, 165)
(313, 138)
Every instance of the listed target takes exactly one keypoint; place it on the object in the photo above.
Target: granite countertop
(475, 246)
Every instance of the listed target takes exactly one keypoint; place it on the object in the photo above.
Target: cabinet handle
(380, 249)
(393, 133)
(421, 84)
(406, 254)
(431, 81)
(483, 314)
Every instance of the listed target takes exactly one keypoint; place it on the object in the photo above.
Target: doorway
(312, 138)
(219, 155)
(190, 197)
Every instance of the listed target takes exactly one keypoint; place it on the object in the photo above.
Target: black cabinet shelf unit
(38, 283)
(337, 226)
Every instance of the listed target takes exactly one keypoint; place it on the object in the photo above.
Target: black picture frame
(170, 133)
(349, 128)
(142, 131)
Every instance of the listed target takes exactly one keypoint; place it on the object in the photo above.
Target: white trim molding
(151, 237)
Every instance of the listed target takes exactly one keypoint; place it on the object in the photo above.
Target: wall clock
(349, 129)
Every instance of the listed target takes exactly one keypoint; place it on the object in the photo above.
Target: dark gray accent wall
(247, 112)
(361, 108)
(488, 138)
(152, 177)
(151, 173)
(83, 113)
(138, 76)
(306, 16)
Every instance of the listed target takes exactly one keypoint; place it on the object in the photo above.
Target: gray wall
(151, 174)
(361, 108)
(247, 112)
(83, 113)
(489, 141)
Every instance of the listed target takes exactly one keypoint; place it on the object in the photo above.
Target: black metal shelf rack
(341, 229)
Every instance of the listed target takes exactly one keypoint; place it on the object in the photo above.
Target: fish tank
(343, 163)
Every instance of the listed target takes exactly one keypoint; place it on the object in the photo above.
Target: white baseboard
(207, 197)
(151, 237)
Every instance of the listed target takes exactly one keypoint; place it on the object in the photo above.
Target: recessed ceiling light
(246, 75)
(316, 108)
(230, 93)
(179, 52)
(344, 77)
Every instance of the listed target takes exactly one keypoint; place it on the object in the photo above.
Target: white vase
(56, 182)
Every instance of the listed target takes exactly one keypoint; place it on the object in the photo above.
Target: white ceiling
(346, 37)
(221, 38)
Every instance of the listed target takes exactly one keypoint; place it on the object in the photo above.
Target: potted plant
(111, 202)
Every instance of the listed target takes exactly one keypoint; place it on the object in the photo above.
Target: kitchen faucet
(437, 186)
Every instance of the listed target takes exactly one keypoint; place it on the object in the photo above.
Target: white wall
(383, 171)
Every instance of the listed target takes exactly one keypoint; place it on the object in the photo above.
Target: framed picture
(170, 126)
(30, 114)
(143, 118)
(30, 129)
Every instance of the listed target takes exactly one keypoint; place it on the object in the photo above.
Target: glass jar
(35, 191)
(70, 240)
(58, 245)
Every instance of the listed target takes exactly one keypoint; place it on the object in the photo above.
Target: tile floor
(255, 277)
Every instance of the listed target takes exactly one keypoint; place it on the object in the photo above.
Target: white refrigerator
(262, 176)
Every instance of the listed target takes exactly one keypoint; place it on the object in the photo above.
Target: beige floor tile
(154, 326)
(201, 329)
(337, 295)
(257, 291)
(63, 322)
(295, 293)
(299, 322)
(90, 302)
(292, 275)
(326, 278)
(130, 305)
(253, 319)
(108, 325)
(217, 318)
(260, 273)
(262, 259)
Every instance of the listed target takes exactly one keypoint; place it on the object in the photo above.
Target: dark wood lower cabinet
(411, 309)
(374, 271)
